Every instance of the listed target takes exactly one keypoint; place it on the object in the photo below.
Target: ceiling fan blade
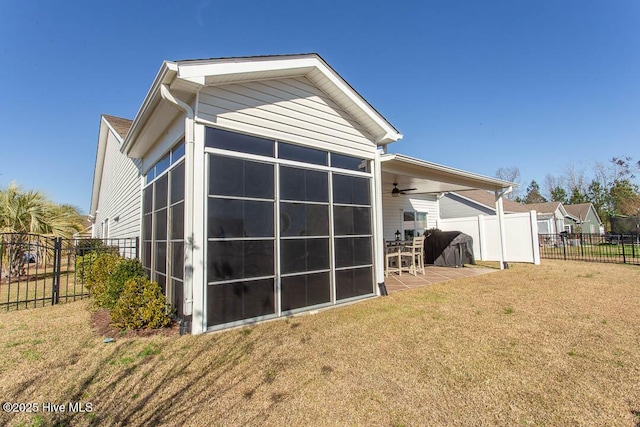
(407, 189)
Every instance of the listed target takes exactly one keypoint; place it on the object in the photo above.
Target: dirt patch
(101, 322)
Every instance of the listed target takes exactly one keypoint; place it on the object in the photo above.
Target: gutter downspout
(189, 139)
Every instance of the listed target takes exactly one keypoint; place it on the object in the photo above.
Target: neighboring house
(583, 219)
(461, 204)
(261, 187)
(116, 184)
(552, 217)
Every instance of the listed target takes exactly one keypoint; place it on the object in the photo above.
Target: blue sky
(472, 84)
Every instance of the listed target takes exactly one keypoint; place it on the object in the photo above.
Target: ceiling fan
(397, 191)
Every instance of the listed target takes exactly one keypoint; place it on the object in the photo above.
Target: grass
(35, 288)
(555, 344)
(587, 251)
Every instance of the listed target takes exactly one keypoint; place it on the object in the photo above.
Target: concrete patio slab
(432, 274)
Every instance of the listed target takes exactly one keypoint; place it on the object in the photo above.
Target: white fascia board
(563, 211)
(113, 131)
(166, 74)
(446, 169)
(390, 134)
(99, 164)
(189, 71)
(197, 72)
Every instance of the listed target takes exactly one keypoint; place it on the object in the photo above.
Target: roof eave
(491, 182)
(165, 75)
(312, 66)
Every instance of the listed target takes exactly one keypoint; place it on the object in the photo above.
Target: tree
(533, 194)
(558, 194)
(510, 174)
(599, 197)
(577, 196)
(624, 167)
(23, 212)
(624, 197)
(575, 183)
(551, 184)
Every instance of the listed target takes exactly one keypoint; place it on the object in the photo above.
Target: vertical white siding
(290, 109)
(521, 235)
(119, 198)
(392, 208)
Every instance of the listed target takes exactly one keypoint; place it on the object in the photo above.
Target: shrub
(125, 269)
(86, 257)
(141, 305)
(98, 277)
(85, 246)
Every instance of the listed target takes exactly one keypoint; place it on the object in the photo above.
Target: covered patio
(411, 189)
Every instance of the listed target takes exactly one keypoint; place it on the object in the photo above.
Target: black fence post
(624, 258)
(137, 247)
(57, 261)
(564, 246)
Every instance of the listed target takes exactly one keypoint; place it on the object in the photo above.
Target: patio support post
(500, 211)
(378, 226)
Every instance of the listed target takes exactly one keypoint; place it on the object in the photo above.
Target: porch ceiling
(429, 177)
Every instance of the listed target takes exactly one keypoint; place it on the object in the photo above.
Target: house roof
(580, 210)
(120, 125)
(429, 177)
(487, 200)
(185, 78)
(546, 207)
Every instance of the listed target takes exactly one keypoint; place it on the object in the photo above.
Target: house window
(171, 158)
(285, 230)
(105, 229)
(163, 225)
(413, 224)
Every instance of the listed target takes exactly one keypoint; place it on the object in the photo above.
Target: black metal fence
(39, 270)
(614, 248)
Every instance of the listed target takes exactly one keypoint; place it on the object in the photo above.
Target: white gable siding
(452, 206)
(292, 110)
(119, 198)
(392, 208)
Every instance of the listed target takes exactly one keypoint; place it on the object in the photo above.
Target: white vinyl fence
(521, 236)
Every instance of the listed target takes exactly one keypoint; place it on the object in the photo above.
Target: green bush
(141, 305)
(85, 246)
(97, 279)
(85, 258)
(125, 270)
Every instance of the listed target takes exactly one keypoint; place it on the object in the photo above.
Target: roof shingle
(119, 124)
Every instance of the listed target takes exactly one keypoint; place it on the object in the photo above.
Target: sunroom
(260, 188)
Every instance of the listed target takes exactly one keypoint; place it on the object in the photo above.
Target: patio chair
(393, 262)
(413, 254)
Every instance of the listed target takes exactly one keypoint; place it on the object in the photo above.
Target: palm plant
(24, 212)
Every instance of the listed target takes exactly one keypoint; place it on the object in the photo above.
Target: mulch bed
(101, 321)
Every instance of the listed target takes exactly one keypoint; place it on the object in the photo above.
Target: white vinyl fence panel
(521, 235)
